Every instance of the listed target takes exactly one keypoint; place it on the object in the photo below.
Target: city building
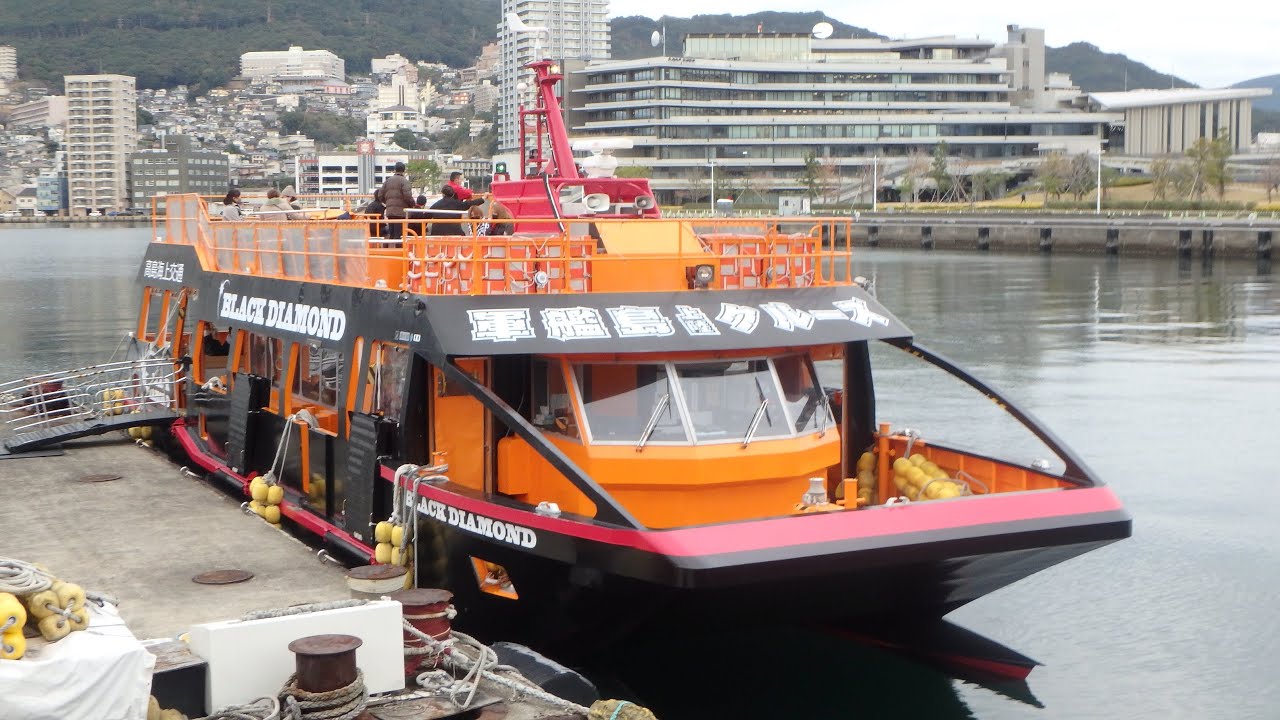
(102, 130)
(579, 30)
(1161, 122)
(180, 167)
(360, 172)
(8, 63)
(382, 125)
(758, 106)
(48, 111)
(294, 69)
(51, 193)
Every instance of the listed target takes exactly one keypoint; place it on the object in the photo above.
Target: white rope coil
(22, 578)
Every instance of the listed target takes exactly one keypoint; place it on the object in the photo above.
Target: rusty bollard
(325, 662)
(427, 610)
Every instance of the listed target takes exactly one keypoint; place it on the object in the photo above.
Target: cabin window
(390, 366)
(724, 398)
(319, 374)
(552, 408)
(621, 401)
(214, 348)
(264, 358)
(806, 403)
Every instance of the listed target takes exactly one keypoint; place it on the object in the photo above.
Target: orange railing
(541, 256)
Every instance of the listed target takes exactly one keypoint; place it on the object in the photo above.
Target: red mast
(549, 115)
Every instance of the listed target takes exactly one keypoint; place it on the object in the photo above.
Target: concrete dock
(141, 538)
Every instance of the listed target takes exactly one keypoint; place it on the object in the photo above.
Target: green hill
(1271, 82)
(199, 42)
(1096, 71)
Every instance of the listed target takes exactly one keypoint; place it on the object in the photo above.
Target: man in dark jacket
(449, 207)
(397, 195)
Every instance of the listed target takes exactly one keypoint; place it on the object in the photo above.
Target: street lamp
(712, 164)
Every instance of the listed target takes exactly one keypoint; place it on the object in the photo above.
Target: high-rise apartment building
(102, 130)
(8, 63)
(578, 30)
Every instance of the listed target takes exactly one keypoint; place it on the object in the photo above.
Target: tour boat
(603, 420)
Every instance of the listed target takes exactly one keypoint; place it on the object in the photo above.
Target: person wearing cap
(291, 196)
(462, 192)
(398, 196)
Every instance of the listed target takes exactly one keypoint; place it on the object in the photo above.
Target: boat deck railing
(582, 254)
(88, 393)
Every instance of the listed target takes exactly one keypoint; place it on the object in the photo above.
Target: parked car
(11, 214)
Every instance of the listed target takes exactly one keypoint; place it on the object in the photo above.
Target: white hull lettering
(499, 530)
(317, 322)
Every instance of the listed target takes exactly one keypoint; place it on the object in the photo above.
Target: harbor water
(1162, 374)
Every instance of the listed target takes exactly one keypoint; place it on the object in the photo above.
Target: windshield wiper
(653, 420)
(755, 421)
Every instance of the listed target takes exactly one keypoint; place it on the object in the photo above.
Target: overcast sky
(1197, 42)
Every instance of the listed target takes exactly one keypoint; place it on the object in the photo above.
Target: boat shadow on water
(793, 671)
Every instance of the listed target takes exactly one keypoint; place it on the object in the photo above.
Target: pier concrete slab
(142, 537)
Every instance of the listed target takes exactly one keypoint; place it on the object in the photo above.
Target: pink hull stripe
(289, 509)
(808, 529)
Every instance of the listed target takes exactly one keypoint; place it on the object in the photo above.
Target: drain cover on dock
(99, 477)
(222, 577)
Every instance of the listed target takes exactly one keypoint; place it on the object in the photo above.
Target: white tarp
(100, 673)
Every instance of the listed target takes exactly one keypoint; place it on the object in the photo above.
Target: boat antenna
(517, 26)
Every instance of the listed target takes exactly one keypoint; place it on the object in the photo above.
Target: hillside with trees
(199, 42)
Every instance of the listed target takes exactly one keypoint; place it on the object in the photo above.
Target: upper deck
(543, 255)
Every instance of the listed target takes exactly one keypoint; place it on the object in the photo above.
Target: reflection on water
(1164, 376)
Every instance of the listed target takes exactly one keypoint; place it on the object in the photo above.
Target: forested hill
(1096, 71)
(199, 42)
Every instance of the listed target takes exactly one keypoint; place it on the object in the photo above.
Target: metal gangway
(47, 409)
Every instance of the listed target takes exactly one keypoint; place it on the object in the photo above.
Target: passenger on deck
(398, 196)
(460, 190)
(497, 221)
(231, 205)
(455, 210)
(276, 207)
(291, 195)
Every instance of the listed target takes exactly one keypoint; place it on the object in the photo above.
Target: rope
(264, 708)
(345, 703)
(301, 609)
(22, 578)
(483, 666)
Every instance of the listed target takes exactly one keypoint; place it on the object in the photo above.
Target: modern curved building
(757, 105)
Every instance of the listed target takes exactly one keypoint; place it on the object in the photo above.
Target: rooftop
(1172, 96)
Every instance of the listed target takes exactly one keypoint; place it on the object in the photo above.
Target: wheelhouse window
(727, 399)
(806, 402)
(624, 403)
(736, 400)
(265, 358)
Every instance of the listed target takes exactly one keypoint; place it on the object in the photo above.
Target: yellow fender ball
(172, 714)
(397, 535)
(272, 514)
(382, 553)
(275, 494)
(258, 508)
(42, 604)
(135, 433)
(395, 555)
(866, 461)
(13, 645)
(153, 708)
(147, 432)
(382, 532)
(12, 614)
(54, 627)
(258, 490)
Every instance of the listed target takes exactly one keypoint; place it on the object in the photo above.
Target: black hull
(575, 611)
